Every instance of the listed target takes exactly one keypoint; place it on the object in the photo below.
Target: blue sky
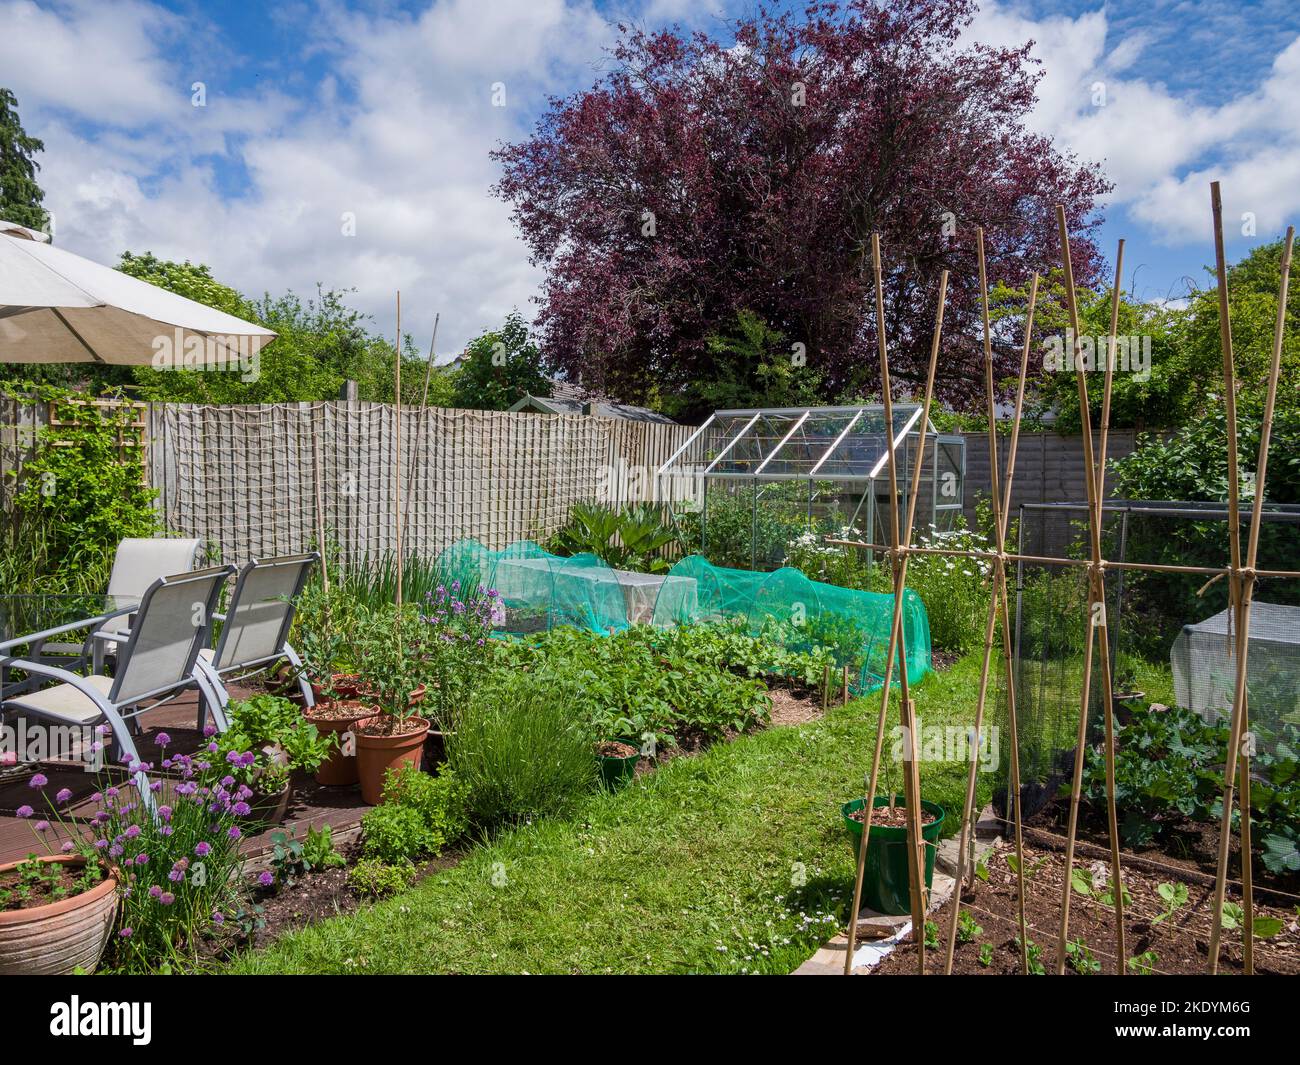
(314, 113)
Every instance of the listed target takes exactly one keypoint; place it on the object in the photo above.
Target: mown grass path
(731, 861)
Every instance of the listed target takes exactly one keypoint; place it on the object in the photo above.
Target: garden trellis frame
(1240, 575)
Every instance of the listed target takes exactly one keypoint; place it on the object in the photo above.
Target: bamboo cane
(1096, 620)
(397, 449)
(844, 692)
(422, 422)
(1103, 649)
(1245, 584)
(907, 718)
(895, 628)
(1001, 509)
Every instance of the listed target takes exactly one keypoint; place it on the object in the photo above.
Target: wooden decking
(311, 805)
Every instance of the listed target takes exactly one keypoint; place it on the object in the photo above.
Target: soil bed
(1179, 943)
(884, 817)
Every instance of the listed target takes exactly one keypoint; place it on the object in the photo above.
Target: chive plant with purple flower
(177, 865)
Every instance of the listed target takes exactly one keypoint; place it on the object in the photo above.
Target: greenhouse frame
(840, 453)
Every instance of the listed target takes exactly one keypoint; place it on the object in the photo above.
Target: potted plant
(268, 739)
(618, 760)
(56, 910)
(389, 641)
(886, 877)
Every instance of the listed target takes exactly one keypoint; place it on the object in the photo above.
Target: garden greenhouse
(791, 469)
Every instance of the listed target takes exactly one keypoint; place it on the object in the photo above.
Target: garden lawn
(692, 868)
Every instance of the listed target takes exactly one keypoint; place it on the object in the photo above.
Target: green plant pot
(885, 880)
(615, 771)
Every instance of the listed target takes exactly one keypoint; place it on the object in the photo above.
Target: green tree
(20, 195)
(501, 366)
(753, 366)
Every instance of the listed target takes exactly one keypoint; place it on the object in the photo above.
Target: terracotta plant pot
(340, 768)
(61, 937)
(343, 685)
(268, 810)
(377, 753)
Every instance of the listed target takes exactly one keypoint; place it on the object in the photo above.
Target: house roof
(569, 398)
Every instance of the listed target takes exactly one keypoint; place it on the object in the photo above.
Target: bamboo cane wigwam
(1240, 572)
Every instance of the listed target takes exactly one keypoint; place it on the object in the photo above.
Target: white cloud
(1161, 150)
(398, 133)
(388, 114)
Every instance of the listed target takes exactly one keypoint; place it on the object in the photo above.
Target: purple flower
(234, 832)
(167, 898)
(142, 859)
(24, 811)
(266, 879)
(203, 850)
(176, 876)
(64, 795)
(209, 731)
(165, 812)
(125, 933)
(39, 780)
(240, 809)
(218, 917)
(100, 844)
(155, 891)
(132, 831)
(67, 847)
(42, 826)
(163, 739)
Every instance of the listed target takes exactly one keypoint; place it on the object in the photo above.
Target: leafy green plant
(986, 954)
(1034, 954)
(318, 850)
(420, 814)
(628, 537)
(1169, 769)
(931, 935)
(1081, 959)
(1144, 964)
(1174, 897)
(968, 930)
(81, 492)
(378, 879)
(396, 834)
(438, 799)
(279, 738)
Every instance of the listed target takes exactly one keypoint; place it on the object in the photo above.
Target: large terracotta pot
(61, 937)
(377, 753)
(340, 768)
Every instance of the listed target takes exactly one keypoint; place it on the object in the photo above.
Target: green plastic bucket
(885, 880)
(616, 772)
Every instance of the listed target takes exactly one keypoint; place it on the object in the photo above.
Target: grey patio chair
(255, 628)
(137, 564)
(155, 662)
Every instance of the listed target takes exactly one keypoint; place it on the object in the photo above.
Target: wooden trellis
(1241, 573)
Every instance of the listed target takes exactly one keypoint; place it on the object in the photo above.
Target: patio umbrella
(57, 307)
